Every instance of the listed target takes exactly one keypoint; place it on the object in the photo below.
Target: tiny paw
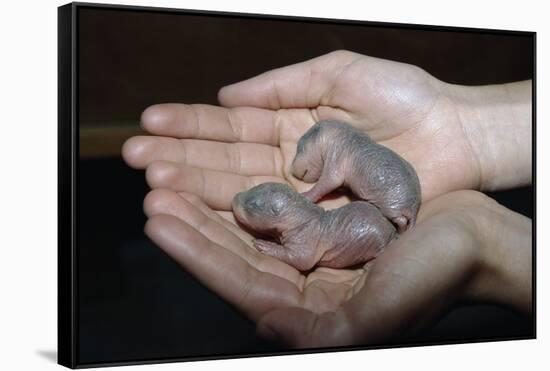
(265, 246)
(402, 223)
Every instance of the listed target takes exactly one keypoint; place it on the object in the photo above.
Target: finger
(190, 209)
(201, 121)
(224, 218)
(222, 271)
(301, 85)
(216, 188)
(238, 158)
(164, 201)
(140, 151)
(301, 328)
(227, 216)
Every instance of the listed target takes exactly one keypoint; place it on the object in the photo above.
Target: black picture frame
(68, 179)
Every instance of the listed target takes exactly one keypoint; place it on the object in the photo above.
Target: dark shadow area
(134, 302)
(130, 60)
(476, 322)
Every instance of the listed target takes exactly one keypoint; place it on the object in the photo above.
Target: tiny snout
(301, 167)
(237, 200)
(238, 204)
(304, 168)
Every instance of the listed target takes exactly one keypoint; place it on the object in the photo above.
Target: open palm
(215, 152)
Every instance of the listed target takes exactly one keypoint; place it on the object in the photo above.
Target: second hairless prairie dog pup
(306, 234)
(336, 154)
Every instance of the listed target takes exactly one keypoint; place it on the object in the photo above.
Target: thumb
(301, 328)
(300, 85)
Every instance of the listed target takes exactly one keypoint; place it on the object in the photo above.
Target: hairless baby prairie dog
(336, 154)
(307, 234)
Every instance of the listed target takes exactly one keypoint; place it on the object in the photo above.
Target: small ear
(299, 148)
(311, 134)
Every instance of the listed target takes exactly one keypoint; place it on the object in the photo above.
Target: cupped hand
(418, 276)
(215, 152)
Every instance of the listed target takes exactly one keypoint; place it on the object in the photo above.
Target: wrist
(496, 121)
(504, 274)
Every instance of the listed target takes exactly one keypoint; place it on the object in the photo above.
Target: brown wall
(131, 59)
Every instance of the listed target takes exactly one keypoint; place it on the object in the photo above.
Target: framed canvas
(419, 140)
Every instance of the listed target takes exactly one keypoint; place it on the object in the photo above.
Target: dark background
(135, 303)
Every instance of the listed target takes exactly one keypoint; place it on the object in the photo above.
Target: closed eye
(253, 203)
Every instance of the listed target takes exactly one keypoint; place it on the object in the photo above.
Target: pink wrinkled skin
(305, 235)
(335, 154)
